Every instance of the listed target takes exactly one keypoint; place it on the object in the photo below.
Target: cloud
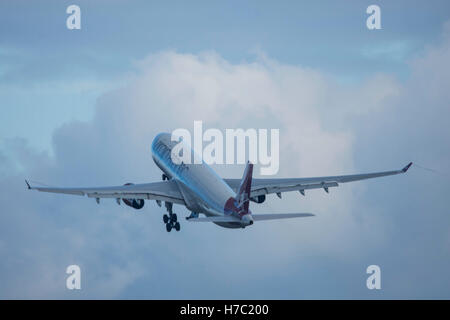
(325, 128)
(394, 51)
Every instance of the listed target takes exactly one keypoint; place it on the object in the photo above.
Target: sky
(81, 107)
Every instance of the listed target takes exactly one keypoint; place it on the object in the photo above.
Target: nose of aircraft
(162, 136)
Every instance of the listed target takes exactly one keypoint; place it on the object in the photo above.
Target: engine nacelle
(259, 199)
(134, 203)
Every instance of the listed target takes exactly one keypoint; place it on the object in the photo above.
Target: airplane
(224, 202)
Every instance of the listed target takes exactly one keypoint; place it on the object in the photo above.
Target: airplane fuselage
(210, 194)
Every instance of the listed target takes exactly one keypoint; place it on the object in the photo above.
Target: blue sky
(38, 52)
(80, 107)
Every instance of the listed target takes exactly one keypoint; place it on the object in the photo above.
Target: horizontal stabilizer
(274, 216)
(256, 217)
(215, 219)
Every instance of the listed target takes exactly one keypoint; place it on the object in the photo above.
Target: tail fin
(243, 195)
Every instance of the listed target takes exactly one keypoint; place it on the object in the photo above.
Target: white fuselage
(208, 190)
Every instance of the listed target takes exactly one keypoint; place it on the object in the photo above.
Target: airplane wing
(161, 190)
(256, 217)
(266, 186)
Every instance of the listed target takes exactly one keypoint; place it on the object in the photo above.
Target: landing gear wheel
(165, 218)
(177, 226)
(168, 227)
(173, 217)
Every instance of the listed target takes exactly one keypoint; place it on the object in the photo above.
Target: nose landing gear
(171, 219)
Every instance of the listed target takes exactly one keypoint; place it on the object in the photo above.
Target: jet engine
(259, 199)
(134, 203)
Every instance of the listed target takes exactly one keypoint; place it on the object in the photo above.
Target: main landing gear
(171, 219)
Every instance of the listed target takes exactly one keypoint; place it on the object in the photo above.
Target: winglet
(407, 167)
(28, 185)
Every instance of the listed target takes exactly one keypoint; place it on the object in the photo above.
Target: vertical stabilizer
(243, 195)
